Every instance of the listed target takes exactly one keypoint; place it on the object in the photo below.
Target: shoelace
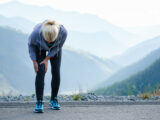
(39, 103)
(55, 101)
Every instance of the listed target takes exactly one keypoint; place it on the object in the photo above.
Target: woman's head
(50, 30)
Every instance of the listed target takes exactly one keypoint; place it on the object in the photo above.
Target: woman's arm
(32, 50)
(32, 46)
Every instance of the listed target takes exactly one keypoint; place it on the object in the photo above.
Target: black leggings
(55, 62)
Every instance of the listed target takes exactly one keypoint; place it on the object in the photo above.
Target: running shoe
(54, 104)
(39, 107)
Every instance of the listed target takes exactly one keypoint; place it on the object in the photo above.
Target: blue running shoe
(39, 107)
(54, 104)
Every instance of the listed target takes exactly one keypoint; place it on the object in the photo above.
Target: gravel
(84, 97)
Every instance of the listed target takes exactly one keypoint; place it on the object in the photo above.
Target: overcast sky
(124, 13)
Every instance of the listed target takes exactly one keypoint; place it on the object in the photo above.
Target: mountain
(14, 59)
(78, 69)
(137, 52)
(145, 31)
(147, 80)
(109, 63)
(74, 21)
(18, 23)
(6, 88)
(127, 71)
(101, 44)
(82, 70)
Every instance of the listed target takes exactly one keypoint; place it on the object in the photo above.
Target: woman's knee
(41, 68)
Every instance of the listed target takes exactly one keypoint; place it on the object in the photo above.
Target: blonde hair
(50, 30)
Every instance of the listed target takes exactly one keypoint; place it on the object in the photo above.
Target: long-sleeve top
(36, 39)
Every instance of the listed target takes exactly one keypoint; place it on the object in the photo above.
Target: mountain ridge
(73, 20)
(127, 71)
(144, 81)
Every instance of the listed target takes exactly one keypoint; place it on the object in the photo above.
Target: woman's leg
(39, 82)
(55, 70)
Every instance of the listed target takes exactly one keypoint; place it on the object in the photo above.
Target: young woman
(47, 36)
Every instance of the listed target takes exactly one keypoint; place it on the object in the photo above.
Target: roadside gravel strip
(76, 104)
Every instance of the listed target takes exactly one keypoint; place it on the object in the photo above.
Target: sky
(123, 13)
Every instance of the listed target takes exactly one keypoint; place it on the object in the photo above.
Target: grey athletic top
(36, 39)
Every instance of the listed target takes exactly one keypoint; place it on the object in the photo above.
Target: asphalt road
(83, 112)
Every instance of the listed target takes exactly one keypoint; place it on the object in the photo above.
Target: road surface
(82, 111)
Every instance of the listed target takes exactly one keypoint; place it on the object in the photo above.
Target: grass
(77, 96)
(146, 95)
(27, 99)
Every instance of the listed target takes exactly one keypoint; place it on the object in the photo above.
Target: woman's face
(49, 41)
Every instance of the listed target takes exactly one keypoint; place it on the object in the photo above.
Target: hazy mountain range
(145, 31)
(89, 36)
(17, 22)
(78, 70)
(72, 20)
(86, 31)
(127, 71)
(6, 88)
(147, 80)
(98, 43)
(137, 52)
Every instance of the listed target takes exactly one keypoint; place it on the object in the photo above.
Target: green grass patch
(77, 96)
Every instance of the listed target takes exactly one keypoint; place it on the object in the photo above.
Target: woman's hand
(35, 66)
(45, 62)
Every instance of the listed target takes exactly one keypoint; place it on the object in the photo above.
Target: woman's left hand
(45, 62)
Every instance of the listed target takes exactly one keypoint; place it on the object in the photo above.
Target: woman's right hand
(35, 66)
